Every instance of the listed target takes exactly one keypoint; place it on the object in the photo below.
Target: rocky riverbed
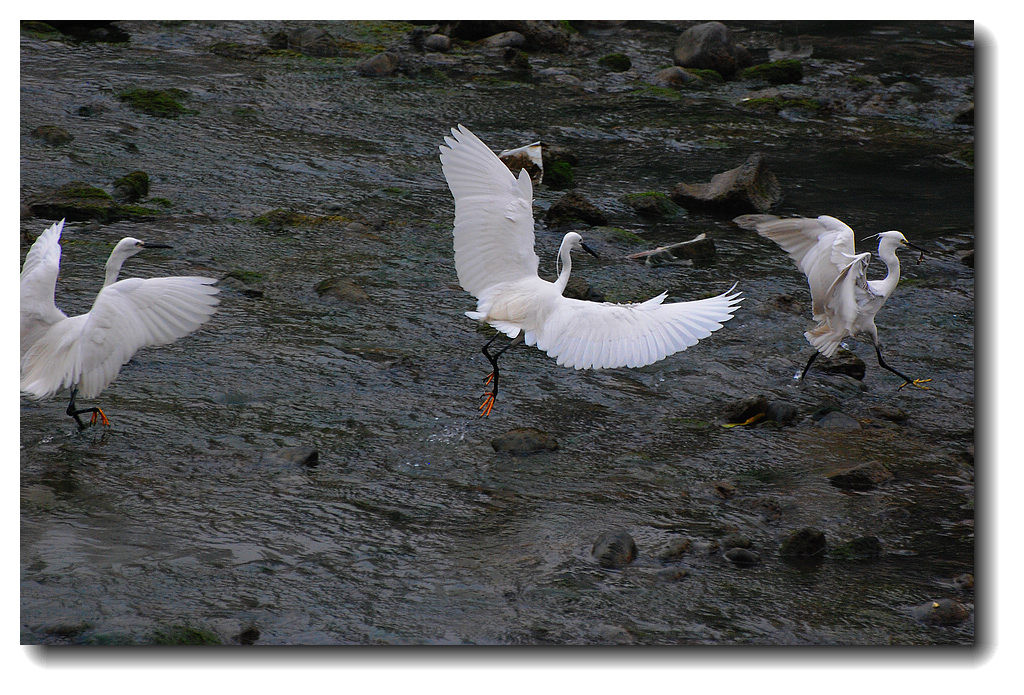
(309, 467)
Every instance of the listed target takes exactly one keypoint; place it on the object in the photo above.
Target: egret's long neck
(565, 259)
(114, 264)
(892, 263)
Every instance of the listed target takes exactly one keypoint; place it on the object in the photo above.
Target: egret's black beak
(156, 246)
(917, 248)
(589, 250)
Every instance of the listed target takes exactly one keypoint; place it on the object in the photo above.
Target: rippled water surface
(411, 529)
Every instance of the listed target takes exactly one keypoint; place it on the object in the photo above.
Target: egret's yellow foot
(103, 418)
(915, 382)
(487, 405)
(489, 379)
(749, 421)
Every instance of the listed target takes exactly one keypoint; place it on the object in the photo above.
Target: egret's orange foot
(489, 379)
(103, 418)
(749, 421)
(487, 405)
(915, 382)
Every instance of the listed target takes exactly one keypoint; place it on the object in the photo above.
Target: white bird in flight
(86, 352)
(844, 300)
(496, 263)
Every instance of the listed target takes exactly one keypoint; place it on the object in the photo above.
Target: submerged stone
(864, 477)
(524, 440)
(614, 549)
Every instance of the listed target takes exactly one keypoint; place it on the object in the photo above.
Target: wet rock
(863, 477)
(527, 157)
(675, 77)
(572, 207)
(380, 65)
(52, 135)
(75, 201)
(723, 489)
(804, 544)
(239, 51)
(615, 62)
(842, 361)
(945, 611)
(742, 557)
(676, 550)
(776, 72)
(672, 574)
(579, 288)
(750, 187)
(341, 289)
(737, 540)
(889, 412)
(836, 421)
(614, 549)
(968, 258)
(537, 35)
(745, 411)
(558, 153)
(653, 205)
(710, 46)
(787, 303)
(782, 413)
(965, 116)
(505, 39)
(861, 548)
(964, 582)
(299, 455)
(162, 103)
(705, 548)
(310, 41)
(131, 187)
(560, 176)
(248, 635)
(101, 31)
(524, 440)
(437, 43)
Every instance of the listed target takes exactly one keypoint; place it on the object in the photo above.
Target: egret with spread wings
(496, 263)
(844, 301)
(86, 352)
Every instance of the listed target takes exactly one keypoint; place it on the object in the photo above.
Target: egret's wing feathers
(841, 306)
(585, 335)
(820, 247)
(38, 283)
(89, 350)
(493, 216)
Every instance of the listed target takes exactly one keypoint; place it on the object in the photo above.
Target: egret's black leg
(488, 404)
(906, 379)
(75, 412)
(808, 366)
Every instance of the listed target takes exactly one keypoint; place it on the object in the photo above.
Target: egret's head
(896, 240)
(129, 246)
(573, 240)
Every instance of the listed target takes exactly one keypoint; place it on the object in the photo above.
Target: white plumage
(496, 262)
(844, 301)
(86, 352)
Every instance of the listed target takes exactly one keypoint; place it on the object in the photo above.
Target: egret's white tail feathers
(824, 339)
(89, 350)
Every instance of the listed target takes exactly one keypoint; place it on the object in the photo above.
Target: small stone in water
(945, 611)
(802, 544)
(676, 550)
(302, 455)
(672, 574)
(741, 557)
(863, 477)
(614, 549)
(964, 581)
(524, 440)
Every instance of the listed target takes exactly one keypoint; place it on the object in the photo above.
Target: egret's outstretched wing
(820, 247)
(38, 283)
(493, 216)
(88, 350)
(586, 335)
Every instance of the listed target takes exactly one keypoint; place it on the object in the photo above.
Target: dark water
(411, 529)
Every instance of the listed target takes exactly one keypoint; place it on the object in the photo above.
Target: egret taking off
(496, 263)
(86, 352)
(844, 300)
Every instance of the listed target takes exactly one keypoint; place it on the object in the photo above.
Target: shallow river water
(187, 514)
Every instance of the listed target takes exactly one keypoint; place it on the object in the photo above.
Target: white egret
(86, 352)
(844, 300)
(495, 261)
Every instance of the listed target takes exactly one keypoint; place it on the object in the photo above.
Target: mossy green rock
(651, 204)
(76, 201)
(776, 72)
(559, 175)
(131, 187)
(616, 62)
(164, 103)
(185, 635)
